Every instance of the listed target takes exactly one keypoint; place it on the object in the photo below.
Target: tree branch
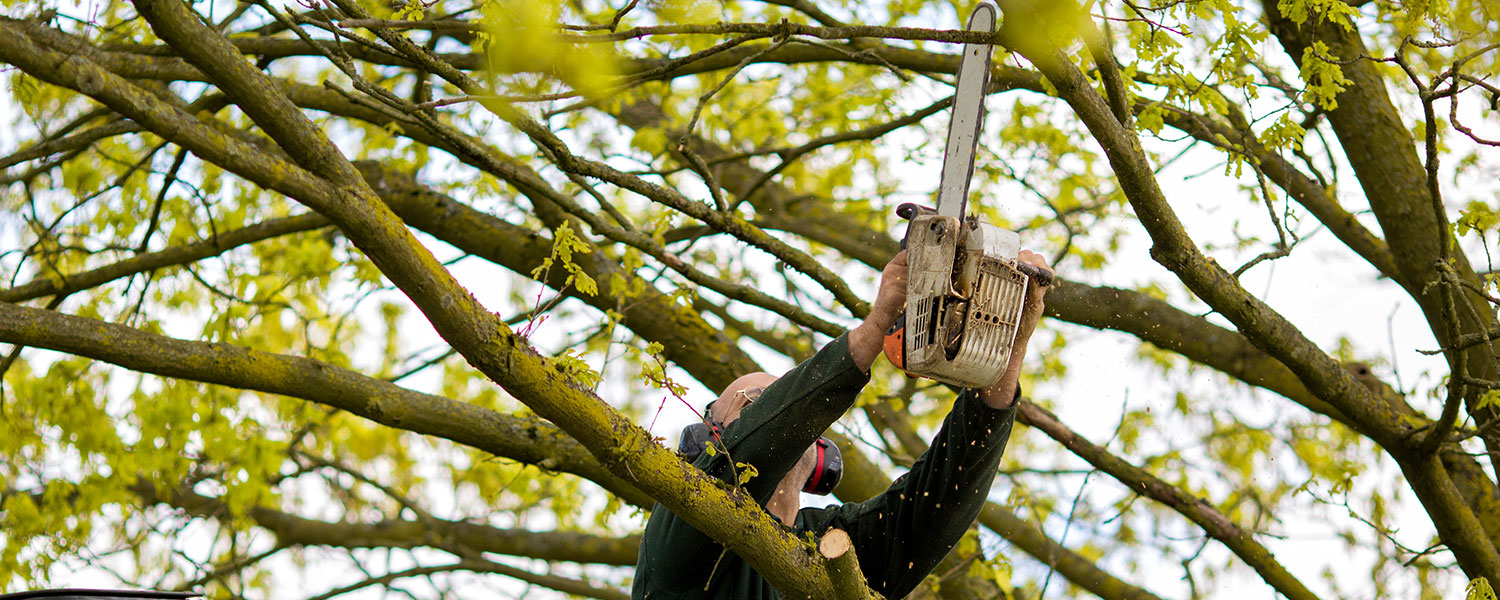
(169, 257)
(294, 530)
(476, 333)
(474, 565)
(529, 441)
(1214, 523)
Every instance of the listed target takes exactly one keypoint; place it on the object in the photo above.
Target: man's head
(743, 391)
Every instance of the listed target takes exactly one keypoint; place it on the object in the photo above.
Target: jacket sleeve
(903, 533)
(771, 434)
(774, 431)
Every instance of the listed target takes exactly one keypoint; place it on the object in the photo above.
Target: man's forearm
(902, 533)
(865, 344)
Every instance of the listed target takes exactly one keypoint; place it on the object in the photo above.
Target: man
(771, 423)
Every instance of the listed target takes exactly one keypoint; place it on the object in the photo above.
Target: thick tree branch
(475, 332)
(294, 530)
(1242, 543)
(529, 441)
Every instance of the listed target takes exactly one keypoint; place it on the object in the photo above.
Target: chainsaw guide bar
(966, 288)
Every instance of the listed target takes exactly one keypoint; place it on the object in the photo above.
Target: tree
(224, 223)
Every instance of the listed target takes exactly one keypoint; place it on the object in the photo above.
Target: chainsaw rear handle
(1042, 277)
(909, 211)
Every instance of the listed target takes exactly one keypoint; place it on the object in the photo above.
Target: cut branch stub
(843, 566)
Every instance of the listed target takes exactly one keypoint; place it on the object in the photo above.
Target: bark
(1381, 421)
(530, 441)
(477, 334)
(293, 530)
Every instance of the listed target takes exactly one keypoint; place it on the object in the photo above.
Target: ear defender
(825, 475)
(694, 438)
(829, 470)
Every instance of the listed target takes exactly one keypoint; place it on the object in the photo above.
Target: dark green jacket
(899, 536)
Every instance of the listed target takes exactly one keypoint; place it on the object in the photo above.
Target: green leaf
(1479, 589)
(1478, 216)
(744, 473)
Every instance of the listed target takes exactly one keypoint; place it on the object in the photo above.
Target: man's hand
(1003, 393)
(890, 299)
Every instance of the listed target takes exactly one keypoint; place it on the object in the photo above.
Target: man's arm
(902, 534)
(772, 434)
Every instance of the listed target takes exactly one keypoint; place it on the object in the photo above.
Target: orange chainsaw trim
(895, 343)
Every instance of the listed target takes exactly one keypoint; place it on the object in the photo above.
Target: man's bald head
(727, 408)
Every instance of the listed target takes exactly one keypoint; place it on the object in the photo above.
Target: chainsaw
(966, 286)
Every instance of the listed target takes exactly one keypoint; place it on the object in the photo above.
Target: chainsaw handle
(909, 211)
(894, 342)
(1042, 277)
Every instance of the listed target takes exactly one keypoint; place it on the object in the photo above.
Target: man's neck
(784, 504)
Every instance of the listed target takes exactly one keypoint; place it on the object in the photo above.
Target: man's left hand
(1002, 394)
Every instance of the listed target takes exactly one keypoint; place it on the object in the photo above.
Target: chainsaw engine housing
(963, 299)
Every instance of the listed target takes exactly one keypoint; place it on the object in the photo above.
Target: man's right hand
(890, 299)
(866, 341)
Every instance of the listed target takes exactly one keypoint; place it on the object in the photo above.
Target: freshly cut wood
(834, 544)
(843, 566)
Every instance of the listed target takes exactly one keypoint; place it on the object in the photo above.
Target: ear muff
(828, 471)
(824, 477)
(695, 436)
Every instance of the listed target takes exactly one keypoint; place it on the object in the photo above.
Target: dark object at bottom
(86, 594)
